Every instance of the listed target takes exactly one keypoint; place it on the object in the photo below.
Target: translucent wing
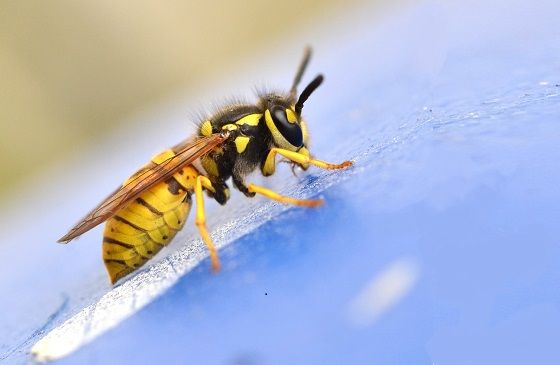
(185, 153)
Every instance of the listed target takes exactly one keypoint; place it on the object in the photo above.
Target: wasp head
(284, 121)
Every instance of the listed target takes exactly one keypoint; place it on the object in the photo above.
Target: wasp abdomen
(139, 231)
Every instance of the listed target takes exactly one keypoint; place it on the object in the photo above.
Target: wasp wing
(185, 153)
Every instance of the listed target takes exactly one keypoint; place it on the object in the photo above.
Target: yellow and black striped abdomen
(139, 231)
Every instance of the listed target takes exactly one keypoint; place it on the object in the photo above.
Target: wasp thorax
(284, 126)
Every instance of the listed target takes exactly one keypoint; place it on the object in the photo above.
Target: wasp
(144, 214)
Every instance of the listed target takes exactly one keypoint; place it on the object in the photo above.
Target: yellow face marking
(206, 128)
(276, 135)
(292, 118)
(251, 119)
(304, 131)
(241, 143)
(229, 127)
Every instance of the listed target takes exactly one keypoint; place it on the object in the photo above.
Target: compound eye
(290, 131)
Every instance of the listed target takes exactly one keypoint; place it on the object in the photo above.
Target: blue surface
(457, 148)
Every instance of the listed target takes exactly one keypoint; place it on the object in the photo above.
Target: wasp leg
(240, 185)
(203, 181)
(283, 199)
(269, 165)
(221, 191)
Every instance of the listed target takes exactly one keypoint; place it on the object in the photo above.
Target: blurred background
(73, 70)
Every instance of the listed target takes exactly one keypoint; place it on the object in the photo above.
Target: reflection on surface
(383, 291)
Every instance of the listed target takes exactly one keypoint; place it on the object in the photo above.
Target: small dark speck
(557, 85)
(150, 252)
(165, 237)
(178, 222)
(265, 293)
(112, 230)
(180, 172)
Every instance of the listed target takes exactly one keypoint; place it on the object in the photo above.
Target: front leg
(269, 165)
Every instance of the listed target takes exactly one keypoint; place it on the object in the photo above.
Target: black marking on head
(290, 131)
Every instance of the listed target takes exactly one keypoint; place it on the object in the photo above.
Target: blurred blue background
(440, 246)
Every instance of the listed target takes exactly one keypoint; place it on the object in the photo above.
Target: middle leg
(284, 199)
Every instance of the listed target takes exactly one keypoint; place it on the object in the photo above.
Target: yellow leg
(270, 163)
(283, 199)
(202, 181)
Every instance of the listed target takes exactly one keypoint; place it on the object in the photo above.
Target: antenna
(317, 81)
(301, 69)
